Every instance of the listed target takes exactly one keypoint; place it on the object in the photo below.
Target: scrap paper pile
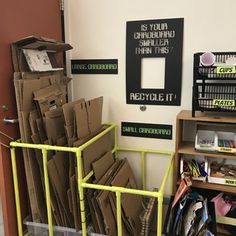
(190, 214)
(222, 170)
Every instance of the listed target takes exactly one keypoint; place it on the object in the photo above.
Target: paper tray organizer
(215, 141)
(82, 181)
(213, 87)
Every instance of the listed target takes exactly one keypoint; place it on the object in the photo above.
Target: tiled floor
(1, 221)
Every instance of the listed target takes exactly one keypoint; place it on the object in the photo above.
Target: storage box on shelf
(222, 171)
(215, 137)
(213, 86)
(194, 166)
(206, 140)
(226, 142)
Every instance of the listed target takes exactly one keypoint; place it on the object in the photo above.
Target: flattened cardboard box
(96, 150)
(104, 210)
(24, 96)
(131, 204)
(92, 197)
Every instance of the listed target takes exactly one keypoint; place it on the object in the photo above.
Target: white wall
(97, 29)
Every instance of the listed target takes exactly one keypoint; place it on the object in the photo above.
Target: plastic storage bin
(199, 160)
(38, 229)
(226, 142)
(206, 140)
(227, 180)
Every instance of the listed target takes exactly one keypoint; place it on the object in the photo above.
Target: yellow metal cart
(82, 180)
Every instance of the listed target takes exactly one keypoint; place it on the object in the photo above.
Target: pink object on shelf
(221, 207)
(207, 59)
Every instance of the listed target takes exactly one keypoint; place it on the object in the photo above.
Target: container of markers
(226, 142)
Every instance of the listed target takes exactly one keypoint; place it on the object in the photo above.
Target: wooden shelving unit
(186, 124)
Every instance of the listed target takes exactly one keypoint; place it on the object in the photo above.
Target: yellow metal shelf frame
(82, 181)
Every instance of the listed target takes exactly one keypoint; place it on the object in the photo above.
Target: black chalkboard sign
(154, 39)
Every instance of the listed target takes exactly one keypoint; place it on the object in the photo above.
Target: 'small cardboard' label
(146, 130)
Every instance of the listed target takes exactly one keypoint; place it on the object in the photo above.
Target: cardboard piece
(70, 121)
(49, 98)
(88, 117)
(41, 130)
(54, 126)
(68, 110)
(131, 204)
(106, 220)
(35, 188)
(107, 213)
(33, 116)
(101, 166)
(94, 111)
(112, 200)
(75, 202)
(69, 196)
(95, 211)
(58, 168)
(81, 120)
(96, 150)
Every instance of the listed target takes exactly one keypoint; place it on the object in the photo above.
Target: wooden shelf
(212, 186)
(188, 148)
(207, 117)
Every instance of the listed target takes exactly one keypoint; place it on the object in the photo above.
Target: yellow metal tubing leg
(16, 190)
(159, 214)
(143, 168)
(47, 191)
(118, 213)
(81, 192)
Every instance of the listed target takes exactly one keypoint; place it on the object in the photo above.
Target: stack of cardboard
(114, 172)
(30, 122)
(46, 118)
